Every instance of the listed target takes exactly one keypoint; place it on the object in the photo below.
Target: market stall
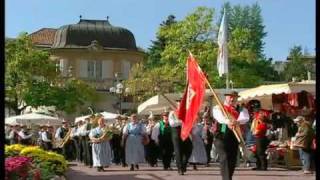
(286, 101)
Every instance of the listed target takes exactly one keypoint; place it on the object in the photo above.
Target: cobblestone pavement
(79, 172)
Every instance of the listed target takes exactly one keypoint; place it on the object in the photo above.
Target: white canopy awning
(107, 116)
(158, 104)
(33, 118)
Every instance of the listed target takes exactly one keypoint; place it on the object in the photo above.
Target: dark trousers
(227, 148)
(116, 148)
(152, 152)
(166, 150)
(208, 147)
(87, 151)
(262, 144)
(79, 149)
(182, 149)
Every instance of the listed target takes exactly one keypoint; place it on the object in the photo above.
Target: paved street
(79, 172)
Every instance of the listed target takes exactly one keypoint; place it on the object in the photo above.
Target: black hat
(165, 113)
(255, 104)
(232, 93)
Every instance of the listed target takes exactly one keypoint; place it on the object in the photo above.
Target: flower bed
(37, 161)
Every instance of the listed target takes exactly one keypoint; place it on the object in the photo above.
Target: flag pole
(227, 81)
(171, 103)
(236, 130)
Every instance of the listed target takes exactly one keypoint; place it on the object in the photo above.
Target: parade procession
(209, 96)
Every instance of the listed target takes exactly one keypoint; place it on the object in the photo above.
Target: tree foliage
(31, 79)
(197, 33)
(295, 67)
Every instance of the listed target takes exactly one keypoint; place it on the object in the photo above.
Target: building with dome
(94, 51)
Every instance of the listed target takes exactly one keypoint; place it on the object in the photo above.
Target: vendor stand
(288, 100)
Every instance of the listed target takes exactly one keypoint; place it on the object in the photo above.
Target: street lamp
(119, 90)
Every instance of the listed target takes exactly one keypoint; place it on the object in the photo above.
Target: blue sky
(288, 22)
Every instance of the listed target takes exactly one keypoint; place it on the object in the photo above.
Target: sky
(287, 22)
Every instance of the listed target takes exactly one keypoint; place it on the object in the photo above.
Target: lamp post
(119, 90)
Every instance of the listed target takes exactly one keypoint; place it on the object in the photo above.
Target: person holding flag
(183, 119)
(226, 143)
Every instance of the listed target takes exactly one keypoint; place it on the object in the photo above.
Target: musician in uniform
(101, 150)
(151, 148)
(46, 138)
(225, 142)
(75, 135)
(161, 134)
(115, 142)
(123, 149)
(23, 136)
(207, 136)
(133, 135)
(182, 149)
(13, 135)
(63, 134)
(86, 143)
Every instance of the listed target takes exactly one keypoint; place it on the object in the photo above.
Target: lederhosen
(165, 144)
(227, 146)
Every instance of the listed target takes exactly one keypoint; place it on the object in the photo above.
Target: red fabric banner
(192, 98)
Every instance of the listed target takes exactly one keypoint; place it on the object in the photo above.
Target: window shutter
(107, 69)
(83, 69)
(125, 69)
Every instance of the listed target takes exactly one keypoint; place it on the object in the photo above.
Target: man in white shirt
(182, 149)
(24, 137)
(226, 142)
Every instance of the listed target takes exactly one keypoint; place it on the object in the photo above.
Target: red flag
(192, 97)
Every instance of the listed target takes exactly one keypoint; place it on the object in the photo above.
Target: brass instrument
(61, 143)
(107, 135)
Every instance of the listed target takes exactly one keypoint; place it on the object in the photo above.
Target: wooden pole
(236, 130)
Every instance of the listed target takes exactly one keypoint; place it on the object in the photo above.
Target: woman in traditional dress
(101, 150)
(199, 154)
(134, 133)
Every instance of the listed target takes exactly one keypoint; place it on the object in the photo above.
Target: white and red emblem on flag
(192, 98)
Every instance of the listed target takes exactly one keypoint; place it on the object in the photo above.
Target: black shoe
(137, 166)
(180, 172)
(256, 169)
(132, 168)
(195, 167)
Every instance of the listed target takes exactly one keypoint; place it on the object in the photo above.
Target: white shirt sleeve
(125, 130)
(57, 135)
(91, 133)
(218, 115)
(243, 116)
(23, 136)
(44, 137)
(173, 120)
(155, 133)
(11, 135)
(143, 130)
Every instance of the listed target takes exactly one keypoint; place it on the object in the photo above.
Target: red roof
(44, 36)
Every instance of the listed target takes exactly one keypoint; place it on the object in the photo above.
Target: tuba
(61, 143)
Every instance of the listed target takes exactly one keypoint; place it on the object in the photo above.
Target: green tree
(295, 66)
(31, 79)
(154, 52)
